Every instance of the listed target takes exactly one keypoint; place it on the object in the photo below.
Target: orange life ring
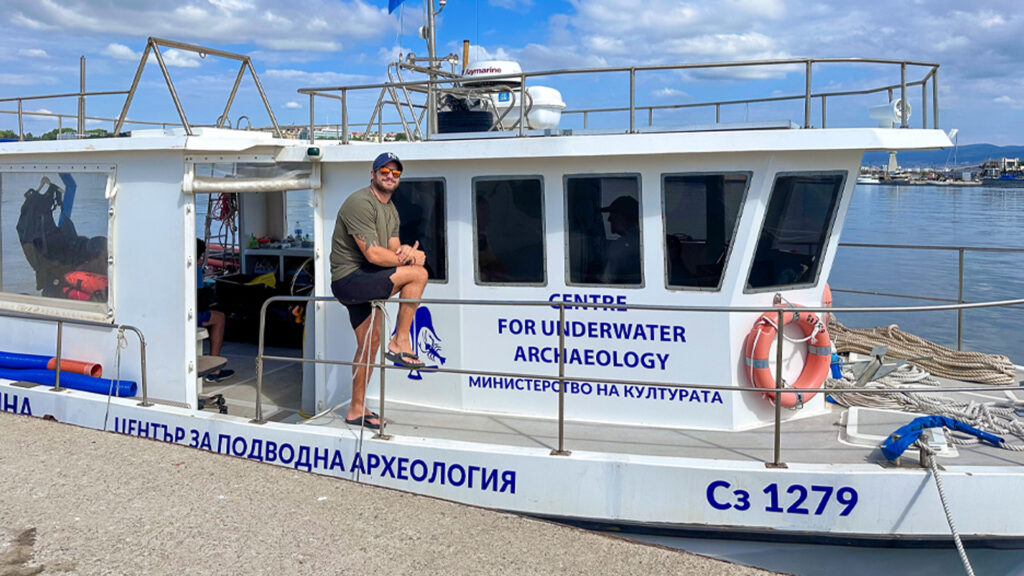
(819, 355)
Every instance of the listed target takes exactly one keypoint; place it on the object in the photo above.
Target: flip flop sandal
(364, 421)
(404, 359)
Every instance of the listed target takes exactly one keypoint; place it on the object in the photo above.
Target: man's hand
(407, 254)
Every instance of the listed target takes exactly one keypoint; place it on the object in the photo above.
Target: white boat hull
(840, 503)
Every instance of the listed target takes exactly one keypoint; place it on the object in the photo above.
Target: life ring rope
(819, 353)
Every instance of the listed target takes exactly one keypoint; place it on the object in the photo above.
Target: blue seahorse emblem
(425, 342)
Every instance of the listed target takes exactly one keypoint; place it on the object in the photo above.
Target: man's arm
(385, 257)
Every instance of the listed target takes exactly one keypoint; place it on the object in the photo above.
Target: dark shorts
(357, 289)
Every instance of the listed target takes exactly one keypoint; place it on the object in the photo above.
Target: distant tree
(8, 134)
(52, 134)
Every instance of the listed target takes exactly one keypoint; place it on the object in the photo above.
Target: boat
(557, 385)
(1005, 180)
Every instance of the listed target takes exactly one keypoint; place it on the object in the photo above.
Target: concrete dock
(79, 501)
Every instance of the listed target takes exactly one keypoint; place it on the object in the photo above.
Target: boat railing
(961, 252)
(417, 120)
(562, 377)
(152, 45)
(60, 322)
(431, 89)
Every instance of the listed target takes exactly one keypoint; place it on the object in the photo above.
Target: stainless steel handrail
(432, 85)
(961, 252)
(154, 44)
(60, 334)
(562, 378)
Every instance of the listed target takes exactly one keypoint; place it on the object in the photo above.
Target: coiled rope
(996, 417)
(992, 369)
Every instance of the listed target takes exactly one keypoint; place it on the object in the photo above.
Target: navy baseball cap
(384, 159)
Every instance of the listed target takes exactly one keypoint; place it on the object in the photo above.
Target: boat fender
(819, 355)
(904, 437)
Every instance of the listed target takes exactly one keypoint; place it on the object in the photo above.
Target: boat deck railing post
(561, 451)
(632, 100)
(903, 96)
(777, 431)
(60, 337)
(380, 435)
(807, 94)
(960, 299)
(259, 363)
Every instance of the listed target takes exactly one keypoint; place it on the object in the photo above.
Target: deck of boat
(822, 439)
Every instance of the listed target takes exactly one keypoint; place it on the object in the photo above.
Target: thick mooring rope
(934, 467)
(992, 369)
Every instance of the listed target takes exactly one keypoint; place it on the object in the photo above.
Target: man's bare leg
(365, 353)
(409, 282)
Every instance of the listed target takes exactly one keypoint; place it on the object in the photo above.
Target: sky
(318, 43)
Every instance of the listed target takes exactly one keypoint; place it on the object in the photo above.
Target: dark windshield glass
(800, 212)
(701, 212)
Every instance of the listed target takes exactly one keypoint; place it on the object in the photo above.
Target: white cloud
(304, 78)
(121, 52)
(180, 59)
(319, 25)
(667, 92)
(43, 111)
(33, 53)
(292, 105)
(25, 79)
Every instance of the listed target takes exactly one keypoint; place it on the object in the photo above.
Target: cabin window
(801, 210)
(509, 220)
(603, 221)
(54, 235)
(420, 205)
(701, 212)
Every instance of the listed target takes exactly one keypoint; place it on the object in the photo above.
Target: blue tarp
(898, 442)
(392, 4)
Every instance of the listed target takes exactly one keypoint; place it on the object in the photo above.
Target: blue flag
(392, 4)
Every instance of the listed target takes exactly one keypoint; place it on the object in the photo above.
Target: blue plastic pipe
(121, 389)
(23, 361)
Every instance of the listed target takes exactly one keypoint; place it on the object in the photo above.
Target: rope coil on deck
(992, 369)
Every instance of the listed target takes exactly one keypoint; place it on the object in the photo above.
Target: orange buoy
(819, 355)
(826, 301)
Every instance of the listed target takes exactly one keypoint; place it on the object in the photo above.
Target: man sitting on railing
(369, 262)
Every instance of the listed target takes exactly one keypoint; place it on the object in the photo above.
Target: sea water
(936, 216)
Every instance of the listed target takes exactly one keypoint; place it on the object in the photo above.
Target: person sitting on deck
(213, 320)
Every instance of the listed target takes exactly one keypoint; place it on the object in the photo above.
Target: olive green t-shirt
(362, 215)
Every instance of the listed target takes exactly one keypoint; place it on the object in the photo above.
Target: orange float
(819, 355)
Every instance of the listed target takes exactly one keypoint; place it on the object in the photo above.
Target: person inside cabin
(623, 253)
(213, 320)
(369, 262)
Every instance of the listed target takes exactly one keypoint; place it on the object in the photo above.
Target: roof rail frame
(154, 44)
